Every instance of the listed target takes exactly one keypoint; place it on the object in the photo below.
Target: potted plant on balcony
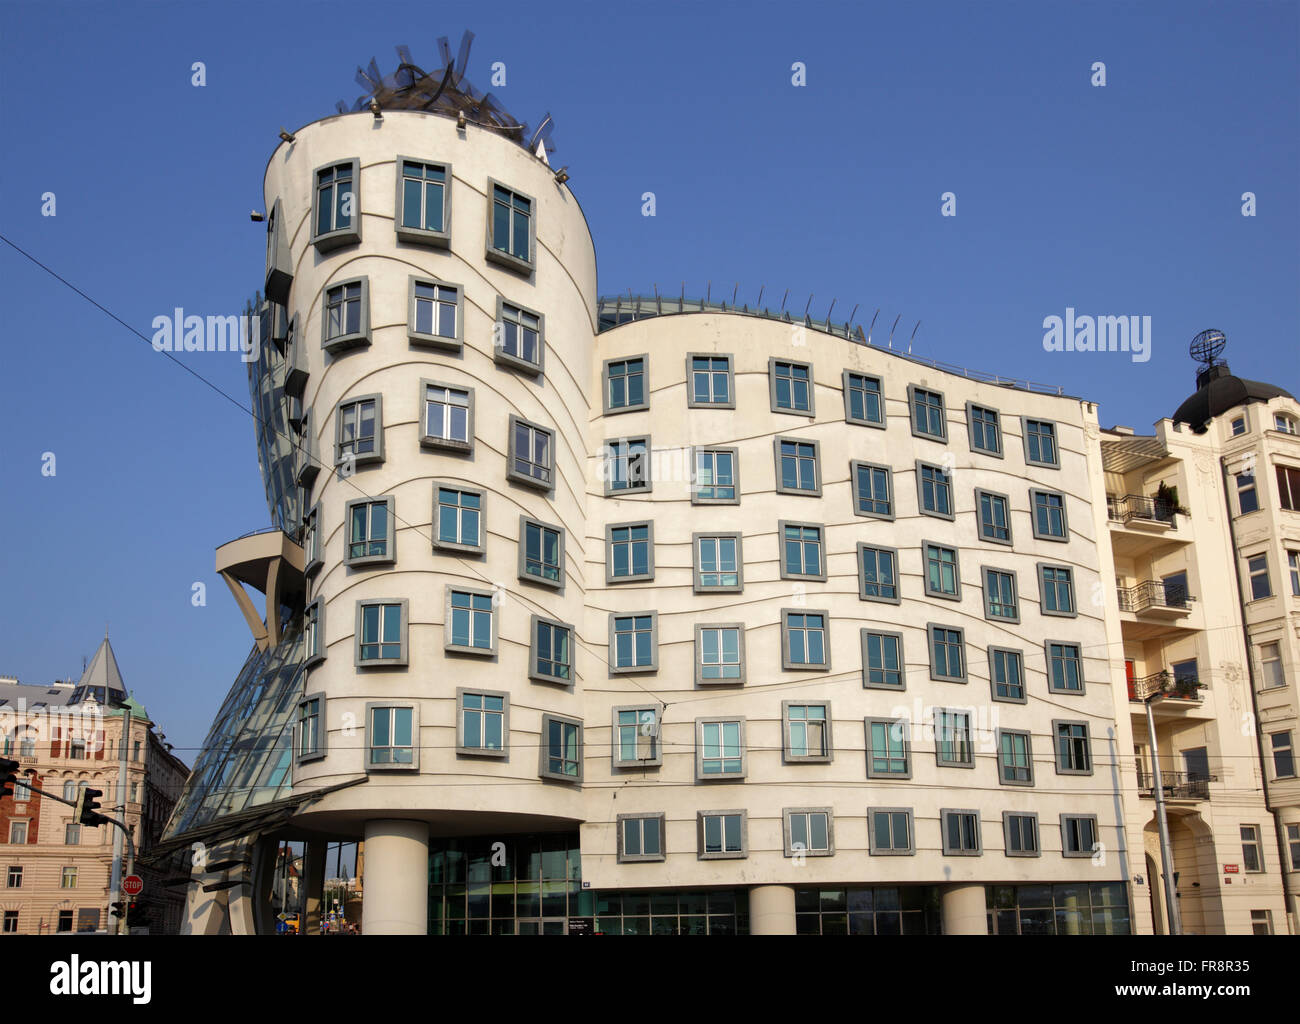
(1166, 502)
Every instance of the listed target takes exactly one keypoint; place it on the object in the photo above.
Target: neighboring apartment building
(55, 875)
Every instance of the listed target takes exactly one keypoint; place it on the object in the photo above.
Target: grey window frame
(641, 406)
(504, 753)
(951, 514)
(336, 237)
(369, 458)
(858, 464)
(930, 627)
(498, 256)
(864, 636)
(1259, 849)
(313, 658)
(698, 572)
(1037, 851)
(873, 840)
(891, 723)
(448, 645)
(641, 858)
(698, 654)
(1047, 656)
(390, 549)
(956, 714)
(1056, 442)
(696, 450)
(1056, 746)
(1274, 750)
(970, 430)
(785, 574)
(322, 734)
(609, 454)
(312, 542)
(423, 236)
(789, 666)
(460, 488)
(656, 746)
(1293, 843)
(811, 412)
(787, 830)
(454, 344)
(1041, 570)
(522, 478)
(1029, 755)
(780, 439)
(880, 424)
(1096, 836)
(787, 747)
(926, 545)
(912, 389)
(357, 339)
(404, 659)
(635, 577)
(534, 670)
(993, 681)
(1015, 593)
(980, 494)
(691, 402)
(700, 723)
(654, 644)
(742, 853)
(949, 851)
(526, 521)
(414, 766)
(1252, 575)
(1033, 515)
(543, 770)
(504, 358)
(863, 548)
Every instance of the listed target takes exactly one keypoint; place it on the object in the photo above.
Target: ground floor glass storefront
(1067, 908)
(868, 910)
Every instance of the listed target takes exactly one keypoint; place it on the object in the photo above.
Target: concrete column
(964, 910)
(771, 910)
(396, 882)
(313, 885)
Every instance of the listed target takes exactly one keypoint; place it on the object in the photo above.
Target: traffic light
(87, 807)
(118, 909)
(8, 776)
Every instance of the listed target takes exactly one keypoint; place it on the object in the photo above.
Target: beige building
(57, 875)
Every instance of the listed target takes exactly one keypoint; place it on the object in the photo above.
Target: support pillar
(313, 886)
(396, 882)
(964, 910)
(771, 910)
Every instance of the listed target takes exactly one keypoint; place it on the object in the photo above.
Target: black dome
(1220, 391)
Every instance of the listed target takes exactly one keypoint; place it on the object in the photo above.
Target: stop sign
(133, 885)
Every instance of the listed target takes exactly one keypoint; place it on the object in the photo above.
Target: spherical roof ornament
(1207, 346)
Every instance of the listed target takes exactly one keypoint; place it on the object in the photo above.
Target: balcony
(1139, 525)
(1178, 785)
(1157, 598)
(1133, 508)
(1166, 684)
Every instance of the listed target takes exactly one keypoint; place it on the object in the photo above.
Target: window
(629, 552)
(1040, 443)
(807, 732)
(346, 320)
(510, 230)
(336, 207)
(1015, 758)
(636, 737)
(448, 417)
(561, 756)
(718, 564)
(484, 723)
(1064, 668)
(370, 532)
(942, 574)
(1251, 851)
(882, 660)
(953, 747)
(1000, 600)
(985, 430)
(708, 381)
(1247, 499)
(390, 738)
(519, 339)
(721, 834)
(1261, 922)
(541, 552)
(1073, 755)
(423, 197)
(458, 513)
(469, 626)
(27, 744)
(1056, 585)
(809, 831)
(878, 574)
(928, 419)
(720, 748)
(796, 466)
(311, 542)
(1020, 834)
(627, 465)
(65, 921)
(436, 314)
(1238, 426)
(1283, 756)
(947, 661)
(69, 878)
(864, 401)
(71, 834)
(803, 640)
(634, 642)
(887, 749)
(890, 830)
(625, 385)
(1078, 835)
(801, 551)
(873, 490)
(551, 658)
(715, 481)
(995, 517)
(360, 431)
(640, 837)
(532, 454)
(1049, 515)
(11, 922)
(381, 633)
(961, 833)
(934, 490)
(77, 748)
(720, 653)
(1260, 587)
(15, 877)
(1293, 565)
(311, 728)
(1007, 674)
(1288, 487)
(1293, 845)
(792, 387)
(1284, 423)
(314, 633)
(1270, 658)
(17, 833)
(69, 791)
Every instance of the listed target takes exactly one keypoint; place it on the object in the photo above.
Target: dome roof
(1218, 391)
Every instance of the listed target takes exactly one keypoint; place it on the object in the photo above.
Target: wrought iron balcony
(1166, 684)
(1178, 785)
(1154, 594)
(1131, 507)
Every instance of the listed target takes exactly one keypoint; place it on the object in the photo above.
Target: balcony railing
(1166, 683)
(1135, 506)
(1154, 594)
(1178, 785)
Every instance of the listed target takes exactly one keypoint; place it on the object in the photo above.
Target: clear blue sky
(1117, 200)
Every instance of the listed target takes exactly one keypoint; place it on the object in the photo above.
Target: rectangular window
(532, 454)
(891, 831)
(1270, 658)
(961, 832)
(1056, 584)
(879, 574)
(1261, 922)
(633, 642)
(1284, 423)
(985, 430)
(483, 718)
(1239, 426)
(346, 321)
(715, 477)
(625, 384)
(71, 834)
(796, 467)
(519, 337)
(459, 515)
(14, 879)
(1064, 668)
(887, 753)
(65, 921)
(720, 653)
(448, 417)
(717, 562)
(942, 575)
(360, 431)
(69, 879)
(1007, 674)
(435, 314)
(512, 226)
(392, 737)
(1251, 852)
(552, 654)
(337, 213)
(11, 922)
(1073, 754)
(709, 381)
(952, 739)
(1293, 845)
(636, 737)
(423, 191)
(17, 833)
(882, 660)
(1247, 497)
(370, 532)
(721, 834)
(541, 552)
(311, 734)
(934, 490)
(720, 746)
(562, 749)
(1288, 487)
(1020, 834)
(1283, 755)
(863, 400)
(381, 633)
(1078, 835)
(1040, 443)
(873, 490)
(469, 622)
(1049, 515)
(1000, 595)
(801, 551)
(807, 731)
(995, 517)
(947, 658)
(629, 552)
(640, 837)
(1260, 587)
(627, 465)
(1293, 566)
(804, 640)
(792, 389)
(311, 541)
(809, 832)
(928, 419)
(1015, 758)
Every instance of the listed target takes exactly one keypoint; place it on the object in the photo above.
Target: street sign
(1230, 869)
(133, 885)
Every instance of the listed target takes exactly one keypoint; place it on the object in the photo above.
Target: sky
(1122, 199)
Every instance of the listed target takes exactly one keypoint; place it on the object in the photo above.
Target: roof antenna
(891, 331)
(913, 338)
(872, 327)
